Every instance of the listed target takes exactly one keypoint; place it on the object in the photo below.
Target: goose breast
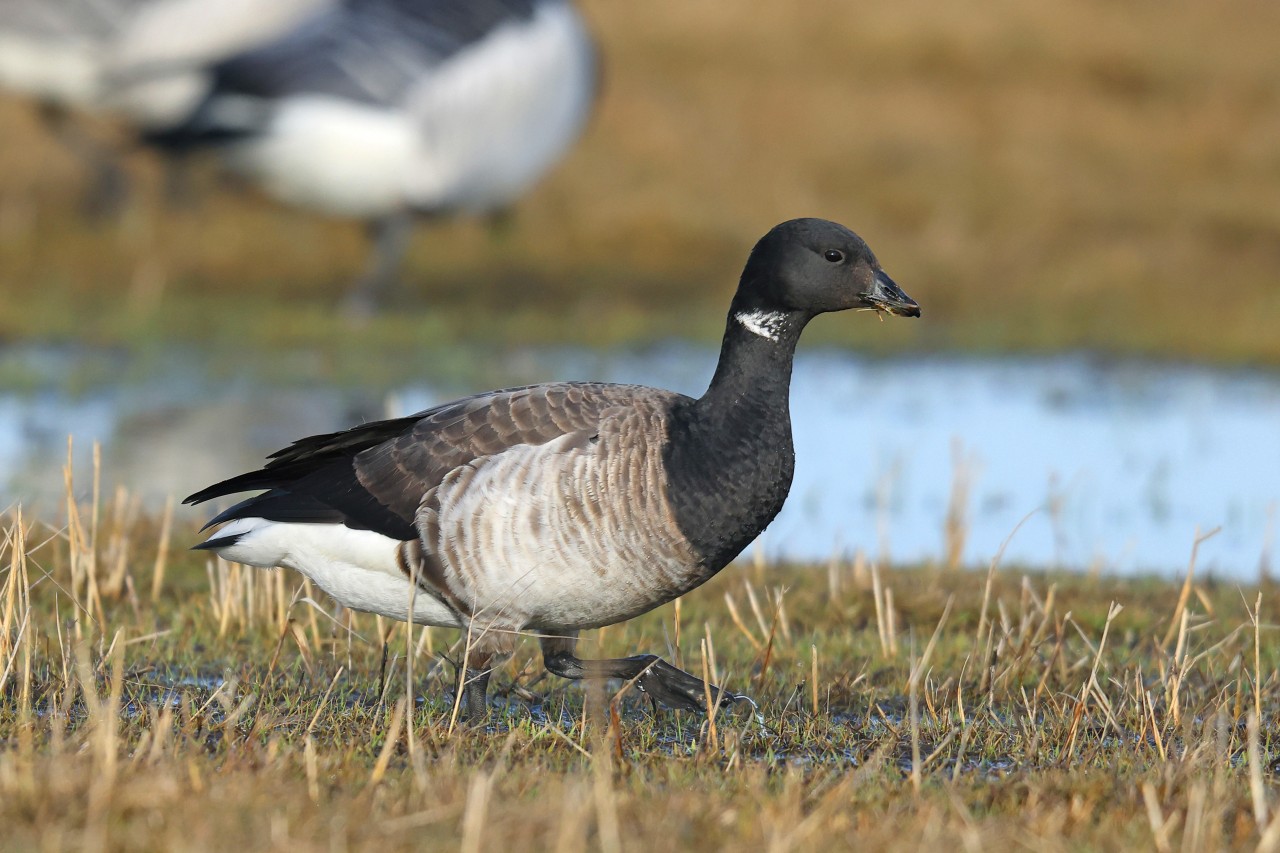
(573, 533)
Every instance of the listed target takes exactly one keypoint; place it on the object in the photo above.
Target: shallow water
(1118, 462)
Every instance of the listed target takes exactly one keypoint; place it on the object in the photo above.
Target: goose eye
(833, 256)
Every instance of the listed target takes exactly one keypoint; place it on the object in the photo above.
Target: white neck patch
(766, 324)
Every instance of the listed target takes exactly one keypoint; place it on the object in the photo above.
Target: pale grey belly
(551, 540)
(571, 582)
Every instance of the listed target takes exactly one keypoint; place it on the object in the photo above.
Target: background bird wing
(370, 51)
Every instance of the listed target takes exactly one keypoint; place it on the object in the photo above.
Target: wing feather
(376, 475)
(371, 51)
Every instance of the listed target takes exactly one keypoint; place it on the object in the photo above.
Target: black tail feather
(242, 483)
(314, 480)
(218, 542)
(307, 456)
(280, 505)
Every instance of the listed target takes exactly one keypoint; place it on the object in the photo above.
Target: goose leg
(654, 676)
(390, 238)
(488, 650)
(475, 689)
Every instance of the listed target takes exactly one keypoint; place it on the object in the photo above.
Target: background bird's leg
(179, 181)
(108, 184)
(654, 676)
(500, 222)
(390, 238)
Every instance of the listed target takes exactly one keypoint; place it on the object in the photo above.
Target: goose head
(806, 267)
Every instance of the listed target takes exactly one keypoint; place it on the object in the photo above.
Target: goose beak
(886, 296)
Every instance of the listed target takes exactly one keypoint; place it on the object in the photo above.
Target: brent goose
(383, 109)
(145, 61)
(91, 54)
(51, 51)
(553, 508)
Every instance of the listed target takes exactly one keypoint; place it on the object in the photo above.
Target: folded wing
(374, 476)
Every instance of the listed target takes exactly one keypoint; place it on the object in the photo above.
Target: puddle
(1121, 461)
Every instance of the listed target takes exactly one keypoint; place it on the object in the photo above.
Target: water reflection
(1122, 460)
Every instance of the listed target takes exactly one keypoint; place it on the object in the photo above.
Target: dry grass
(150, 700)
(1038, 175)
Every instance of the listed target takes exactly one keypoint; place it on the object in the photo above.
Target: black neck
(729, 455)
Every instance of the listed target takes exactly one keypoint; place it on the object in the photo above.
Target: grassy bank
(1038, 176)
(149, 700)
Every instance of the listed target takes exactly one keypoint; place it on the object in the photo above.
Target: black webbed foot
(653, 676)
(678, 689)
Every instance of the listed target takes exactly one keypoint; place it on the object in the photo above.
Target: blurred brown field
(1038, 175)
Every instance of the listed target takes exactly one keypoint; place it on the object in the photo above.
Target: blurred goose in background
(383, 110)
(146, 61)
(53, 52)
(554, 508)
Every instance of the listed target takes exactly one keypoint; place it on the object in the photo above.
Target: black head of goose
(553, 508)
